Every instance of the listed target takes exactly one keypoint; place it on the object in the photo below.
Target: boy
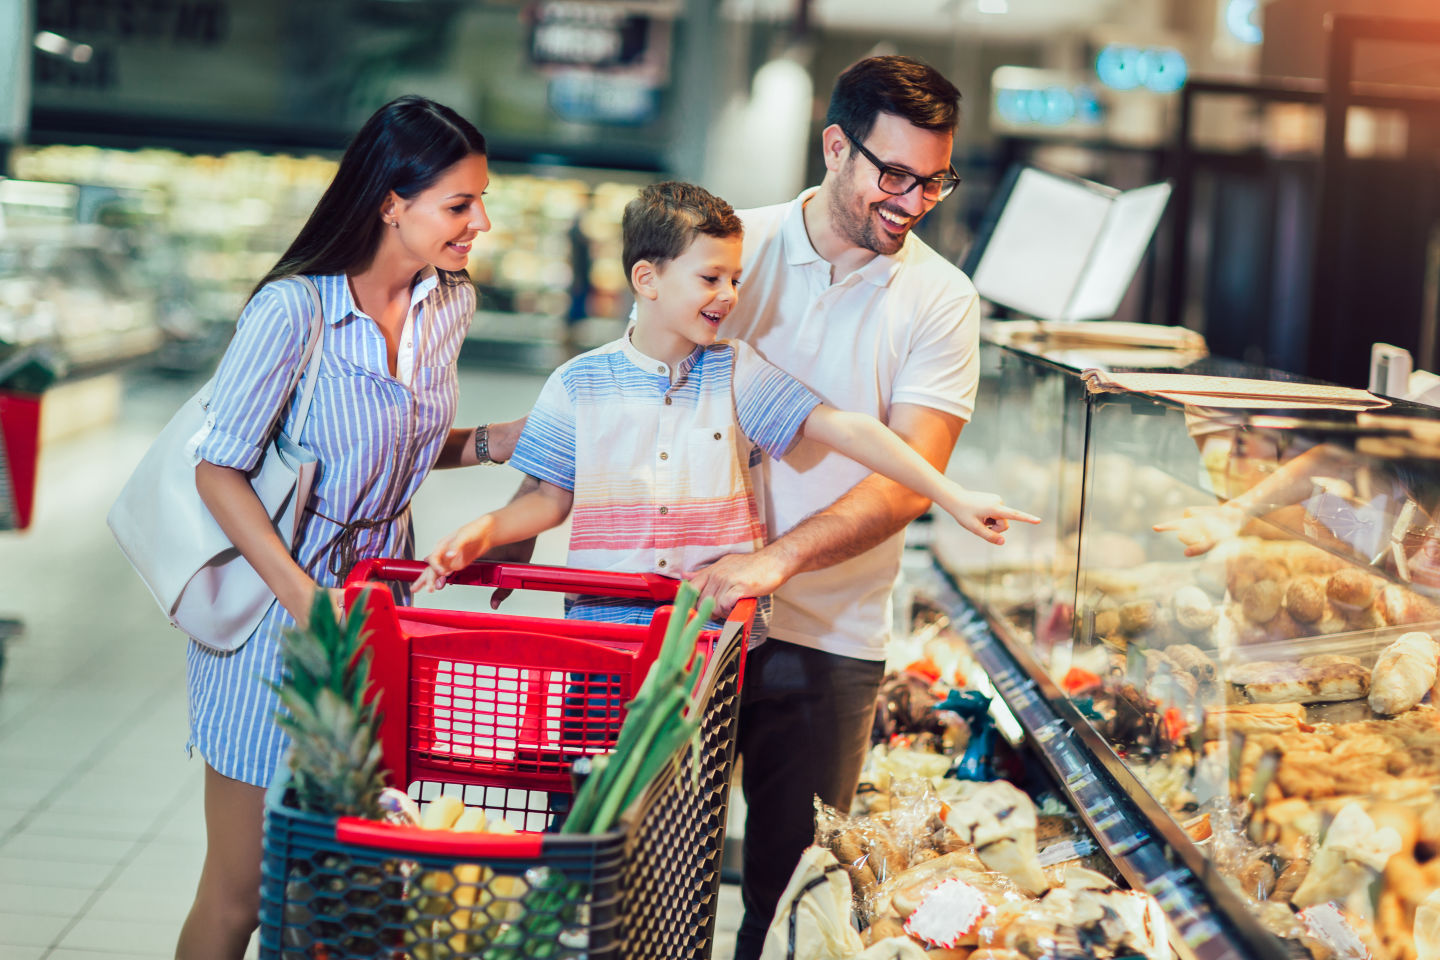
(650, 439)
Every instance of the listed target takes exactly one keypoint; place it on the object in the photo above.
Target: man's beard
(856, 223)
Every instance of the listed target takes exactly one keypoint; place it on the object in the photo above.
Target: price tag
(1103, 804)
(1048, 732)
(1200, 932)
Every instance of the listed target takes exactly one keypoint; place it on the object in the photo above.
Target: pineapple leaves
(334, 733)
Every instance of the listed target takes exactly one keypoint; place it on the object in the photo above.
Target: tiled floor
(101, 829)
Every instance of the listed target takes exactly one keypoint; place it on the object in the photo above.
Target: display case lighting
(35, 193)
(54, 43)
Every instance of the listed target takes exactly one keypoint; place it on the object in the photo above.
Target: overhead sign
(574, 33)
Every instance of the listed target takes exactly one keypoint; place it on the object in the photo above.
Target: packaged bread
(1404, 672)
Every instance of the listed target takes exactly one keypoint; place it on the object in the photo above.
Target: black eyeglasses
(897, 182)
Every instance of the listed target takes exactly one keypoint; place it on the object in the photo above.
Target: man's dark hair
(661, 223)
(909, 89)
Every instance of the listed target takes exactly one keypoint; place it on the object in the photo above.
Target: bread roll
(1404, 673)
(1138, 616)
(1350, 589)
(1193, 610)
(1261, 601)
(1305, 599)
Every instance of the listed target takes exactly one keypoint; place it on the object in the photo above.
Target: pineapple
(334, 733)
(334, 771)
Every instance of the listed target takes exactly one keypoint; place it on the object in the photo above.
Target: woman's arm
(233, 503)
(870, 443)
(459, 447)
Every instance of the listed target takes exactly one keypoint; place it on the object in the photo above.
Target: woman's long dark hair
(405, 146)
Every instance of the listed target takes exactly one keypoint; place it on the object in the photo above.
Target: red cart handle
(438, 843)
(527, 576)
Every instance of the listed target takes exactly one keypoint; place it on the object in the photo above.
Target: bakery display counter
(1224, 638)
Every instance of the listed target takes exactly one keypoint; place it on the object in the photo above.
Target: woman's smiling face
(439, 223)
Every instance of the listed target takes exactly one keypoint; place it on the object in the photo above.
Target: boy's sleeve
(770, 405)
(251, 384)
(546, 448)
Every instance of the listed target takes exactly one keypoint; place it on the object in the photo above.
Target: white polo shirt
(901, 329)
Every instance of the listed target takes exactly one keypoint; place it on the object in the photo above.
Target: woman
(386, 247)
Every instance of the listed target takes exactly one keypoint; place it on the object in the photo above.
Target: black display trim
(1139, 837)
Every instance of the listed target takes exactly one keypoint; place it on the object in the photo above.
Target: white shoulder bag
(196, 575)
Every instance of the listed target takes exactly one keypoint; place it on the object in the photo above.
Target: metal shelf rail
(1140, 838)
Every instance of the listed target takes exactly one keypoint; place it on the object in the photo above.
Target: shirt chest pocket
(712, 461)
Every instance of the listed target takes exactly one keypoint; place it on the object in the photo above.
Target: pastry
(1138, 616)
(1350, 589)
(1304, 599)
(1366, 618)
(1404, 673)
(1193, 610)
(1192, 659)
(1313, 684)
(1261, 601)
(1354, 851)
(1401, 606)
(1427, 927)
(1252, 718)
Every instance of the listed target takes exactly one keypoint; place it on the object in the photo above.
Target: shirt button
(659, 369)
(717, 436)
(668, 401)
(664, 510)
(662, 563)
(664, 456)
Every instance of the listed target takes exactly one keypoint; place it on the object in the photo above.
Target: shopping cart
(496, 708)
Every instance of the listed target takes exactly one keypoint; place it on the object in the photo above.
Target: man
(842, 297)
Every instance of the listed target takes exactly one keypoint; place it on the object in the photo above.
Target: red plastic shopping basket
(494, 708)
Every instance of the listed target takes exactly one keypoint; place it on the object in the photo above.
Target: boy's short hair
(907, 88)
(661, 223)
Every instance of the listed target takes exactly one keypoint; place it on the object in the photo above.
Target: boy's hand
(1201, 528)
(984, 514)
(455, 552)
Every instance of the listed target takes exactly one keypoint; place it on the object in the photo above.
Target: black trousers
(805, 720)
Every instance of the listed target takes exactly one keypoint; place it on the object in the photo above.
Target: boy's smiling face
(690, 297)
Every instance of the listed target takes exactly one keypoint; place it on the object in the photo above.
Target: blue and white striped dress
(376, 439)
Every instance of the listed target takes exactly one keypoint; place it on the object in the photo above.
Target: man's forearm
(872, 512)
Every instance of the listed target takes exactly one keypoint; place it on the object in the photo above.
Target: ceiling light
(993, 6)
(63, 47)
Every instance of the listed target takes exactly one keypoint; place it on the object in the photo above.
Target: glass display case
(79, 278)
(1234, 615)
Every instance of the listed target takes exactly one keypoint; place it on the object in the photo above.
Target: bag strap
(310, 358)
